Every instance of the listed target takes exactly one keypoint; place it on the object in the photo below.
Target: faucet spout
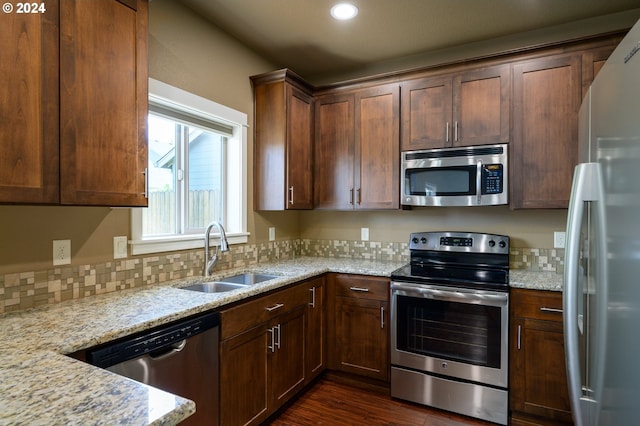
(211, 261)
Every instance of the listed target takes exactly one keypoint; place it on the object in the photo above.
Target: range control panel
(471, 242)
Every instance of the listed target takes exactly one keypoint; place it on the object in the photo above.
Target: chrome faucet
(210, 261)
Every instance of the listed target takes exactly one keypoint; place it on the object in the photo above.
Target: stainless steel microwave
(466, 176)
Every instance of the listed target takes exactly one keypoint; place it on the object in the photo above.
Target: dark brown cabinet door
(283, 143)
(299, 149)
(466, 108)
(377, 153)
(481, 106)
(103, 102)
(359, 317)
(361, 337)
(426, 113)
(538, 385)
(243, 362)
(286, 356)
(334, 152)
(315, 350)
(546, 98)
(29, 133)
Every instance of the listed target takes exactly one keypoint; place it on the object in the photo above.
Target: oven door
(450, 331)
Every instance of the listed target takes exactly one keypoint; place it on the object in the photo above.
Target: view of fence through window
(185, 177)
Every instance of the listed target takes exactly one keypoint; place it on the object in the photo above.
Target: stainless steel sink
(248, 278)
(213, 287)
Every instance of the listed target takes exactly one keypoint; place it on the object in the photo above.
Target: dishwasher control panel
(153, 340)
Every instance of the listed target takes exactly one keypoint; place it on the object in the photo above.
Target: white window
(196, 172)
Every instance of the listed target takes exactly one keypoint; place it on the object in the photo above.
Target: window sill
(183, 242)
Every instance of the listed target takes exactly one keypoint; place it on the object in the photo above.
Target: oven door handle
(452, 294)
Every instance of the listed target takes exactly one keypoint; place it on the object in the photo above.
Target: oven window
(444, 181)
(449, 330)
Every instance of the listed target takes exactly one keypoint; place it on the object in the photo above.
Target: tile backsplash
(24, 290)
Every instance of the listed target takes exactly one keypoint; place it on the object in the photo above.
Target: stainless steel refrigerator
(602, 256)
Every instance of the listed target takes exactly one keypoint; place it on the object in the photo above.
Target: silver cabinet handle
(274, 307)
(272, 345)
(146, 183)
(278, 340)
(446, 138)
(291, 195)
(360, 289)
(456, 131)
(359, 198)
(519, 335)
(313, 297)
(382, 317)
(552, 310)
(351, 196)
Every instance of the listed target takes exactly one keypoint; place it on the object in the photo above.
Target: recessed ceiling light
(344, 11)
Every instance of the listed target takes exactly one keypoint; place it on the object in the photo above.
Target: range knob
(502, 244)
(492, 243)
(423, 240)
(415, 240)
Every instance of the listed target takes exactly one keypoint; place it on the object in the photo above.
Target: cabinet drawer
(247, 315)
(537, 304)
(363, 287)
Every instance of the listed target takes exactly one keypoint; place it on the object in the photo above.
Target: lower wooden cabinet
(270, 348)
(538, 393)
(360, 335)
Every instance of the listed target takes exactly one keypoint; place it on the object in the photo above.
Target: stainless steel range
(449, 330)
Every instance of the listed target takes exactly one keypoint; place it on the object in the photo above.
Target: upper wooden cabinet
(76, 113)
(357, 154)
(283, 143)
(544, 148)
(465, 108)
(547, 94)
(29, 133)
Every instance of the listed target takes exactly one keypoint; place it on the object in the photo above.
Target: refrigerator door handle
(587, 186)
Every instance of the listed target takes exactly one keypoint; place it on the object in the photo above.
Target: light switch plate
(61, 252)
(558, 239)
(119, 247)
(272, 233)
(364, 234)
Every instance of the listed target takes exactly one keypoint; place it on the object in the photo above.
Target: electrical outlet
(272, 233)
(119, 247)
(364, 234)
(558, 239)
(61, 252)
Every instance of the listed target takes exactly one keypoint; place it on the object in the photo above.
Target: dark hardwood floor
(332, 403)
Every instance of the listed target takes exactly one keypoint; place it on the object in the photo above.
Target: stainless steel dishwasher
(180, 357)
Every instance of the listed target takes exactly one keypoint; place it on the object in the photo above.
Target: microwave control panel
(492, 179)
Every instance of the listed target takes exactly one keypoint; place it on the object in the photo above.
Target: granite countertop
(532, 280)
(40, 385)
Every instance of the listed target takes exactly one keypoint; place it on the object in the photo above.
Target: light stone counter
(41, 386)
(535, 280)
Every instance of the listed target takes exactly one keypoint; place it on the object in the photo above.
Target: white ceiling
(301, 35)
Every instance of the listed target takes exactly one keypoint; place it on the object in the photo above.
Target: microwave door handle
(479, 182)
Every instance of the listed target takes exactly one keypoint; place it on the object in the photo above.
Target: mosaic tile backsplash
(24, 290)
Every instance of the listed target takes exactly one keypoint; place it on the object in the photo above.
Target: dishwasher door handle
(169, 350)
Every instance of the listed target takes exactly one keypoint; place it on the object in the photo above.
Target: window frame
(236, 199)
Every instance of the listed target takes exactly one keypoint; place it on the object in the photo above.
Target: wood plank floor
(331, 403)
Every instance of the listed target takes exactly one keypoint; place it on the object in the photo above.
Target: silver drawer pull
(552, 310)
(360, 289)
(274, 307)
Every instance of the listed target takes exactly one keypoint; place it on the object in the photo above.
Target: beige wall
(527, 228)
